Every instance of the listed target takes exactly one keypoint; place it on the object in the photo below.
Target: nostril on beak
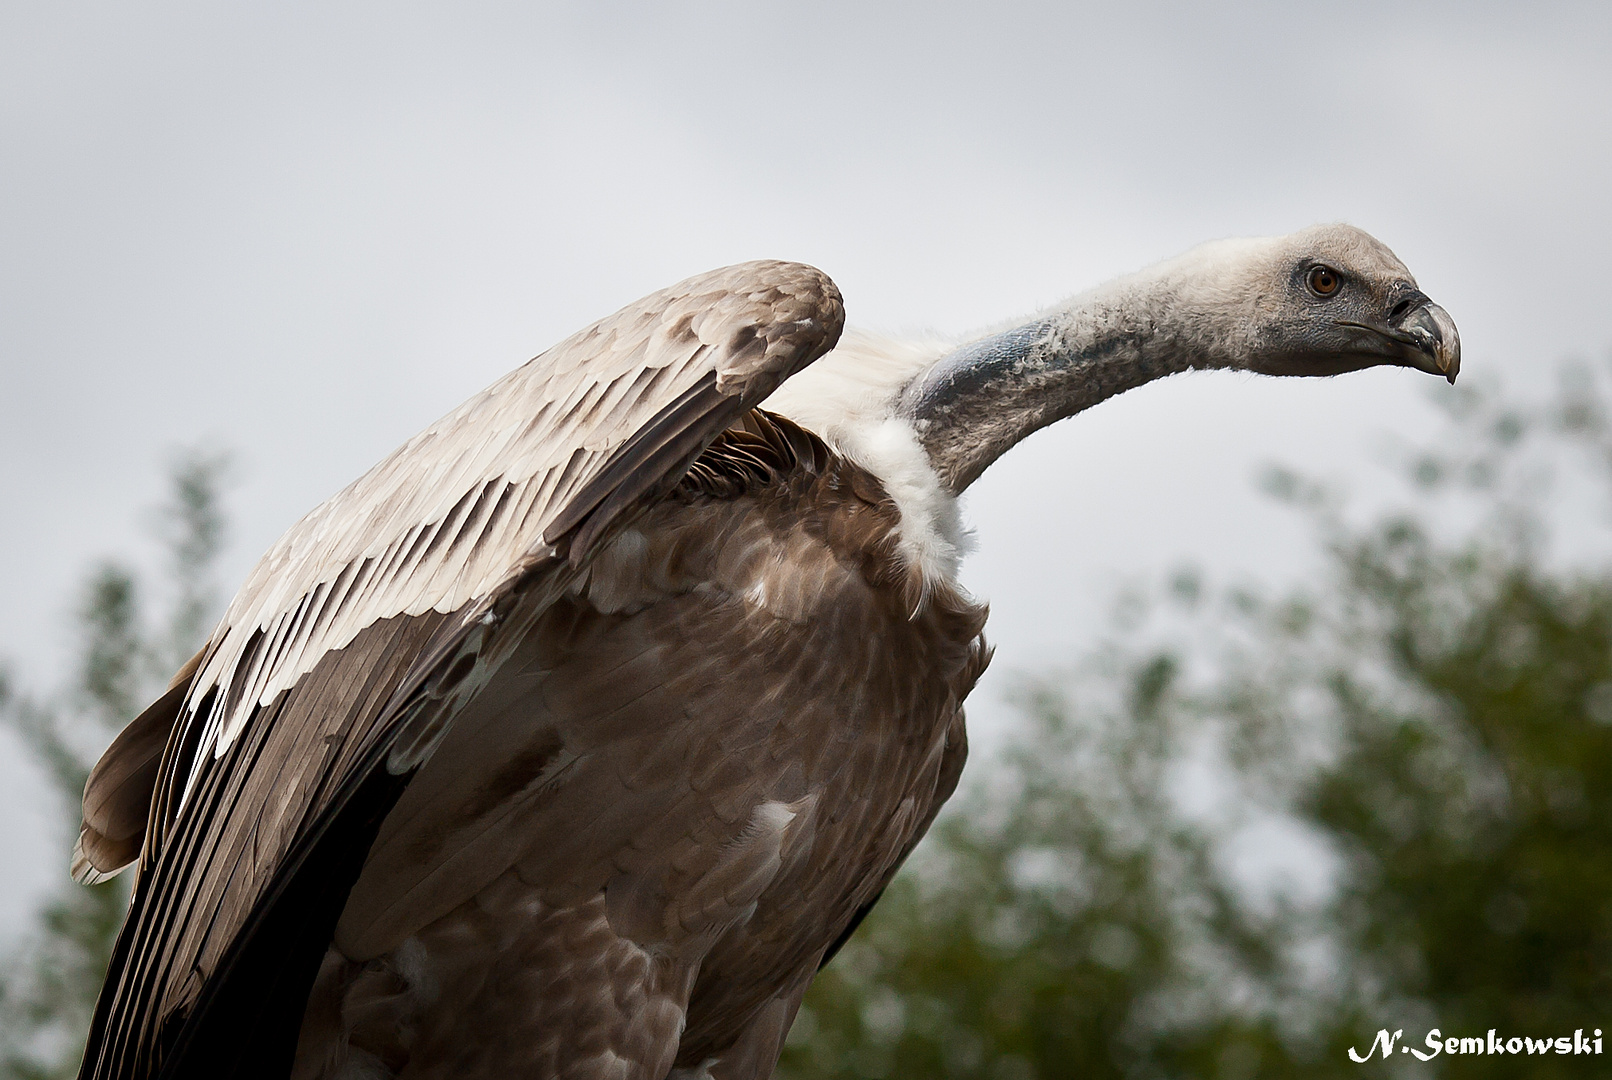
(1399, 310)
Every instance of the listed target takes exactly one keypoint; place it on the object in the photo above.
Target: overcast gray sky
(302, 231)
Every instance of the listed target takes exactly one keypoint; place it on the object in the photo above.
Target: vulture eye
(1323, 280)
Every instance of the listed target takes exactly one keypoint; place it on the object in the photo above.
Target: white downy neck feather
(846, 399)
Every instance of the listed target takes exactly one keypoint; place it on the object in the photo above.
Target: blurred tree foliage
(1252, 830)
(49, 980)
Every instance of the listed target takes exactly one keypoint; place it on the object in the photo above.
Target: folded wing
(340, 664)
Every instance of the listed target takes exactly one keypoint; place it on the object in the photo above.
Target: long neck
(973, 405)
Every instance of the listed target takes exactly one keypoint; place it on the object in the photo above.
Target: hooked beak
(1421, 336)
(1430, 340)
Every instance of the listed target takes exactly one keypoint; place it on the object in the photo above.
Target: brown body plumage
(575, 736)
(648, 837)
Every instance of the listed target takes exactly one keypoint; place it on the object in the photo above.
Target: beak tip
(1440, 339)
(1450, 349)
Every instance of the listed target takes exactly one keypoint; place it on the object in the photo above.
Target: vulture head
(1322, 301)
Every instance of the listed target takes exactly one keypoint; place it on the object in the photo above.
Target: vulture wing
(338, 667)
(117, 795)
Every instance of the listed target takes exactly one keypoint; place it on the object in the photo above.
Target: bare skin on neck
(974, 405)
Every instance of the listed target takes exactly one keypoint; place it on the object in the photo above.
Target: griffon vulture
(572, 738)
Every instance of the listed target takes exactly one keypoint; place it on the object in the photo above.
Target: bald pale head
(1321, 301)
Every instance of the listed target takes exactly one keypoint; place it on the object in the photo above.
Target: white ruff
(846, 399)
